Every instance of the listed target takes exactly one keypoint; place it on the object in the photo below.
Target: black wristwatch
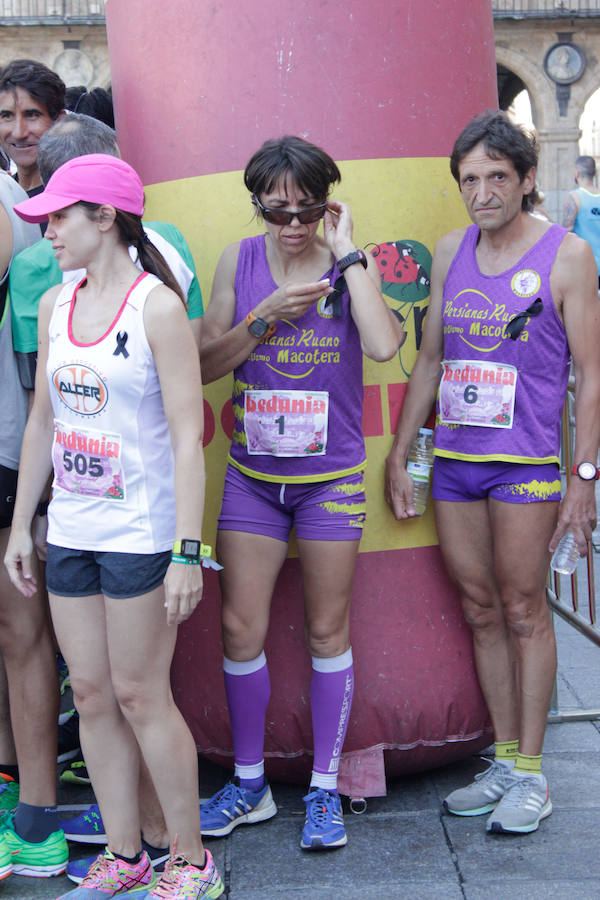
(587, 471)
(257, 327)
(188, 548)
(350, 259)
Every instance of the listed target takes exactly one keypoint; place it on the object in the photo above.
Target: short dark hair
(72, 95)
(501, 138)
(42, 83)
(311, 168)
(73, 135)
(586, 166)
(96, 103)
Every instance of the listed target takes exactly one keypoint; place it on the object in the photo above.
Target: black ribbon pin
(516, 325)
(121, 341)
(335, 298)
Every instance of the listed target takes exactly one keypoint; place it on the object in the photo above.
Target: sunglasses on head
(284, 216)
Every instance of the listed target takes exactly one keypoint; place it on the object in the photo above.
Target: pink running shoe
(112, 877)
(183, 881)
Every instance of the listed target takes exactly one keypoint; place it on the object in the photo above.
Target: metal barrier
(566, 604)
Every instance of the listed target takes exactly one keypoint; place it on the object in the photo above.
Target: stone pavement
(403, 847)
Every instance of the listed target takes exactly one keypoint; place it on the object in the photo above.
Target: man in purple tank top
(513, 300)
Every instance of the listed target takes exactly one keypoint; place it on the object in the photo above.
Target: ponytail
(131, 232)
(151, 259)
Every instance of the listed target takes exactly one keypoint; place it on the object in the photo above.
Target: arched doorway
(589, 123)
(510, 86)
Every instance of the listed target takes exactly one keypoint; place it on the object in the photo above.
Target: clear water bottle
(420, 461)
(565, 557)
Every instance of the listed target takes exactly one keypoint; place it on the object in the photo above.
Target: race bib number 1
(87, 462)
(286, 423)
(475, 392)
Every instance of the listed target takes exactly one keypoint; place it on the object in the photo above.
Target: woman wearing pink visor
(118, 416)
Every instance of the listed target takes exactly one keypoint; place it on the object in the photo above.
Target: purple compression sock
(331, 693)
(248, 690)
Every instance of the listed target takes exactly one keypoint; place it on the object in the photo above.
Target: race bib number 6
(286, 423)
(473, 392)
(87, 462)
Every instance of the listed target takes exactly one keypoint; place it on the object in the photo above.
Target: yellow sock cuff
(506, 749)
(531, 764)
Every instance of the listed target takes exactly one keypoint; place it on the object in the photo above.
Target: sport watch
(587, 471)
(350, 259)
(257, 327)
(187, 548)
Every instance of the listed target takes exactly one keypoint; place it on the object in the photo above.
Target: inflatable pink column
(384, 88)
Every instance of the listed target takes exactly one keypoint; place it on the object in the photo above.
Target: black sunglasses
(284, 216)
(518, 322)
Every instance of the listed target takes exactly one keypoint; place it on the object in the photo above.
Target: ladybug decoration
(404, 267)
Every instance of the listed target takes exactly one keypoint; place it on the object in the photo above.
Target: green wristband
(176, 558)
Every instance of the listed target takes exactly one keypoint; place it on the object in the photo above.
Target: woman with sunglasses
(291, 314)
(116, 414)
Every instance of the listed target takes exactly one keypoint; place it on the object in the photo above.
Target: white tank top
(113, 483)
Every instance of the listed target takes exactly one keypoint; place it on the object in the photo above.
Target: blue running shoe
(77, 869)
(233, 806)
(86, 828)
(324, 825)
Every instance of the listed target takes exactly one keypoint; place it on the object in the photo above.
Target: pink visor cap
(97, 178)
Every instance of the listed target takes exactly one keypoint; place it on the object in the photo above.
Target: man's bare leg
(466, 542)
(513, 639)
(522, 533)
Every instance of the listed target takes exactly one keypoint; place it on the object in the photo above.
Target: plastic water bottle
(420, 461)
(565, 557)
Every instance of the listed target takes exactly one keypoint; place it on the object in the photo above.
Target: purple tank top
(476, 310)
(318, 352)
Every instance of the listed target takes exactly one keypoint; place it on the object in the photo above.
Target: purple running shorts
(320, 510)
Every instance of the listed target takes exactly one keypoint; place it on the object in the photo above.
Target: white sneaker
(524, 805)
(482, 795)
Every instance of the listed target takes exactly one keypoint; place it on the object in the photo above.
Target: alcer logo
(81, 389)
